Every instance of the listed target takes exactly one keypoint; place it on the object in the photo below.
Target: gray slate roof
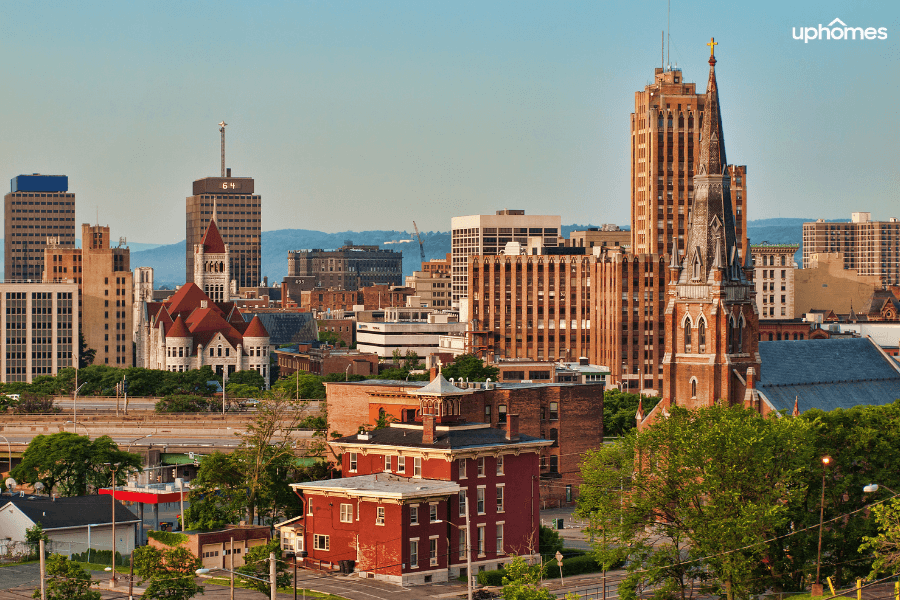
(458, 437)
(75, 511)
(827, 374)
(441, 387)
(287, 328)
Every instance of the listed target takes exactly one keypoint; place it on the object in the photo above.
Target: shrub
(492, 578)
(575, 565)
(99, 557)
(169, 538)
(182, 403)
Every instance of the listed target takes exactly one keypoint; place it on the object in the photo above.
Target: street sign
(559, 557)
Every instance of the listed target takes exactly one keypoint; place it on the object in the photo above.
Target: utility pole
(272, 584)
(43, 570)
(468, 552)
(231, 566)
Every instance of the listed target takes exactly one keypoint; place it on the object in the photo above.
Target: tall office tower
(105, 304)
(237, 211)
(868, 247)
(350, 267)
(665, 137)
(107, 297)
(38, 329)
(711, 325)
(37, 207)
(773, 266)
(487, 235)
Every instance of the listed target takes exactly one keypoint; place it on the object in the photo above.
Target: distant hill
(168, 261)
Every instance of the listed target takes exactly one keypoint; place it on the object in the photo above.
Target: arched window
(740, 340)
(687, 336)
(696, 274)
(730, 337)
(701, 335)
(693, 388)
(220, 350)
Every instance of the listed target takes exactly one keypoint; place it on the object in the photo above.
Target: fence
(591, 592)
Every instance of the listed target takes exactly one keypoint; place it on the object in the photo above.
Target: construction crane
(421, 245)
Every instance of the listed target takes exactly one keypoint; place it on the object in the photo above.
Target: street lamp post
(817, 587)
(301, 555)
(75, 428)
(113, 467)
(9, 452)
(75, 397)
(874, 487)
(131, 443)
(468, 530)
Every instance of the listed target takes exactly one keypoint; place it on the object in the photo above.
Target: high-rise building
(487, 235)
(237, 211)
(37, 207)
(350, 267)
(39, 329)
(871, 248)
(711, 325)
(665, 137)
(774, 266)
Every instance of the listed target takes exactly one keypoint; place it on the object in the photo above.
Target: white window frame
(433, 550)
(500, 465)
(462, 468)
(346, 513)
(417, 466)
(479, 540)
(309, 506)
(480, 500)
(463, 495)
(501, 538)
(501, 498)
(463, 537)
(481, 465)
(354, 462)
(414, 553)
(413, 514)
(379, 515)
(401, 464)
(317, 545)
(432, 512)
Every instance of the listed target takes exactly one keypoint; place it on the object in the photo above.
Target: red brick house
(400, 511)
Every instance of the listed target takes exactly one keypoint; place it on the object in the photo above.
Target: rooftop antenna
(668, 29)
(222, 126)
(662, 49)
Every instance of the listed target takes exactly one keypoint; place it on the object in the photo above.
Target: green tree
(331, 337)
(522, 581)
(864, 446)
(549, 541)
(310, 386)
(85, 355)
(256, 564)
(71, 464)
(36, 533)
(184, 403)
(471, 367)
(248, 377)
(342, 376)
(411, 360)
(218, 493)
(619, 410)
(240, 390)
(31, 403)
(713, 483)
(169, 574)
(66, 580)
(885, 546)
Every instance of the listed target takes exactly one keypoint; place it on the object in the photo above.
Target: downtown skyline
(366, 116)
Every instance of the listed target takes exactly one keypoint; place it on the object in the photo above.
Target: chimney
(512, 427)
(751, 378)
(433, 374)
(203, 304)
(228, 172)
(428, 429)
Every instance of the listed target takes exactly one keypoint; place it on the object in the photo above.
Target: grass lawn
(239, 584)
(101, 567)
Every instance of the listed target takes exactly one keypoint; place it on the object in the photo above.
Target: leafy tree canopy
(66, 580)
(71, 464)
(168, 574)
(247, 377)
(309, 385)
(471, 367)
(256, 563)
(522, 581)
(619, 410)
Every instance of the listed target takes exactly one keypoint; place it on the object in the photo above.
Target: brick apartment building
(871, 248)
(324, 361)
(411, 492)
(569, 414)
(774, 277)
(373, 297)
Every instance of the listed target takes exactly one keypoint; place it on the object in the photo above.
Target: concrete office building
(871, 248)
(487, 235)
(350, 267)
(774, 267)
(38, 329)
(37, 207)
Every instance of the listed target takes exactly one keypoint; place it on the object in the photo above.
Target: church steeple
(710, 242)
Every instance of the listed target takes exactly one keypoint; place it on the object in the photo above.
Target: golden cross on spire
(712, 46)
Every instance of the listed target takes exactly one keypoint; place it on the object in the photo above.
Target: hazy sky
(369, 115)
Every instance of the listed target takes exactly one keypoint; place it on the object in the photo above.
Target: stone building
(774, 268)
(189, 330)
(870, 248)
(212, 266)
(350, 267)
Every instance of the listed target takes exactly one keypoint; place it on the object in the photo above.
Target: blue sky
(369, 115)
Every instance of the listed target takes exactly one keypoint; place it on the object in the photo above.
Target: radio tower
(222, 126)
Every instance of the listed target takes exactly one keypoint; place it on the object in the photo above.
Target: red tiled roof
(178, 329)
(212, 240)
(187, 298)
(256, 329)
(205, 323)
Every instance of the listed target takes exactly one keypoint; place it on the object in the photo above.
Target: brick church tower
(712, 325)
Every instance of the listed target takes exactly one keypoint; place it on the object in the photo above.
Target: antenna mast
(662, 50)
(668, 29)
(222, 126)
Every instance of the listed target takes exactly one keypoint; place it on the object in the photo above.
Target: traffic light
(124, 385)
(174, 473)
